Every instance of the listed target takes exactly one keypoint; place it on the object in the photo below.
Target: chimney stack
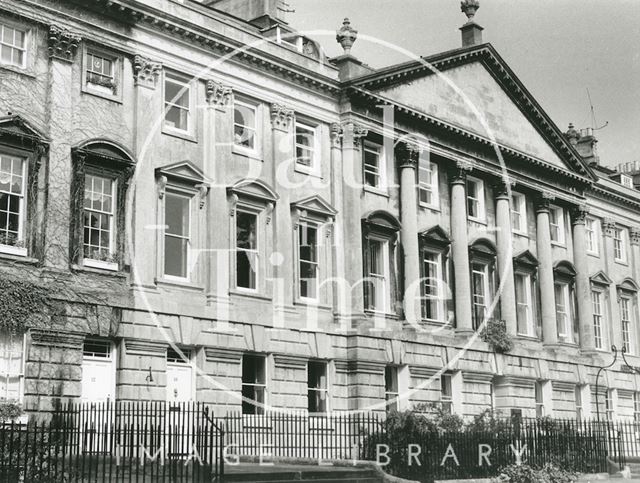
(471, 31)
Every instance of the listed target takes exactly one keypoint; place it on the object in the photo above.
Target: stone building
(219, 210)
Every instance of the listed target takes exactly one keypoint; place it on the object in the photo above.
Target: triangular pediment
(316, 205)
(475, 91)
(254, 189)
(525, 260)
(601, 278)
(184, 171)
(15, 127)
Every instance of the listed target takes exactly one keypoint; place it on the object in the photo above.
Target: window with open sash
(13, 45)
(433, 296)
(254, 384)
(636, 407)
(539, 398)
(177, 234)
(247, 253)
(308, 268)
(373, 165)
(481, 292)
(317, 390)
(379, 243)
(177, 103)
(609, 407)
(564, 310)
(11, 366)
(428, 194)
(244, 125)
(391, 391)
(378, 276)
(13, 186)
(598, 318)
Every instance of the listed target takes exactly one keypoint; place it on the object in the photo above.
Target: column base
(464, 332)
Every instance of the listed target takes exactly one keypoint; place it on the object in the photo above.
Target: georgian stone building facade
(218, 210)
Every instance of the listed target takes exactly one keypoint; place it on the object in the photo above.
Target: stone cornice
(230, 356)
(145, 348)
(52, 338)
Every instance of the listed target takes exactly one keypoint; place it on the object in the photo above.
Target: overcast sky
(558, 49)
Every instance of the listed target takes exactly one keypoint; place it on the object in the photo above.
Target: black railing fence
(157, 441)
(115, 442)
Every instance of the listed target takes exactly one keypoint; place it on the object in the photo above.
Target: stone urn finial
(470, 7)
(346, 36)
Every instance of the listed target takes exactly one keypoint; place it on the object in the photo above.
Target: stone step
(307, 474)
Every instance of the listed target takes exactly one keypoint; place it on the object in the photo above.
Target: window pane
(177, 215)
(244, 125)
(246, 234)
(246, 268)
(253, 369)
(175, 256)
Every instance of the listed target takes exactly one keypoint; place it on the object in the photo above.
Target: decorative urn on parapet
(470, 7)
(346, 36)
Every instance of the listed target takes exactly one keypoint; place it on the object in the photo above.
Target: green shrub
(10, 411)
(495, 334)
(526, 474)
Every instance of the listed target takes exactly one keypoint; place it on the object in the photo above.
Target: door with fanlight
(181, 412)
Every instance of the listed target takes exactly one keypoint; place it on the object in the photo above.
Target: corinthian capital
(63, 44)
(608, 226)
(543, 200)
(408, 154)
(634, 236)
(146, 72)
(579, 214)
(218, 95)
(355, 131)
(336, 134)
(460, 171)
(281, 117)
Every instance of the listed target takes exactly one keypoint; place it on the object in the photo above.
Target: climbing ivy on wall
(23, 304)
(495, 334)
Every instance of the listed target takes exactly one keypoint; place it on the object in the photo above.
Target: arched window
(525, 267)
(380, 230)
(564, 283)
(101, 173)
(482, 256)
(434, 249)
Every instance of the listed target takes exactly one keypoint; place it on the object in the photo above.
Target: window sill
(26, 71)
(11, 250)
(298, 168)
(594, 254)
(531, 338)
(179, 284)
(99, 264)
(311, 303)
(376, 191)
(430, 207)
(246, 153)
(558, 244)
(521, 234)
(480, 221)
(103, 95)
(620, 261)
(18, 258)
(177, 133)
(98, 271)
(248, 294)
(376, 313)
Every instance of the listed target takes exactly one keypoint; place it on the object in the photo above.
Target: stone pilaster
(63, 46)
(507, 292)
(148, 112)
(218, 125)
(282, 224)
(407, 157)
(634, 238)
(545, 270)
(583, 284)
(352, 227)
(460, 247)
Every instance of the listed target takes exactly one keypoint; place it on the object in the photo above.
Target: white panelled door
(179, 382)
(98, 375)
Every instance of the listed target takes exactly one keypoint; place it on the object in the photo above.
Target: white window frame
(87, 260)
(619, 245)
(567, 304)
(25, 49)
(558, 214)
(479, 201)
(609, 404)
(636, 407)
(486, 285)
(258, 272)
(314, 167)
(187, 85)
(320, 390)
(577, 395)
(519, 212)
(242, 102)
(381, 175)
(541, 407)
(317, 227)
(439, 282)
(385, 277)
(627, 323)
(446, 386)
(257, 409)
(20, 375)
(597, 307)
(528, 303)
(114, 93)
(431, 168)
(173, 191)
(22, 207)
(392, 393)
(592, 230)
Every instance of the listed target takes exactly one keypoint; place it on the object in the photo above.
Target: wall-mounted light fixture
(149, 377)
